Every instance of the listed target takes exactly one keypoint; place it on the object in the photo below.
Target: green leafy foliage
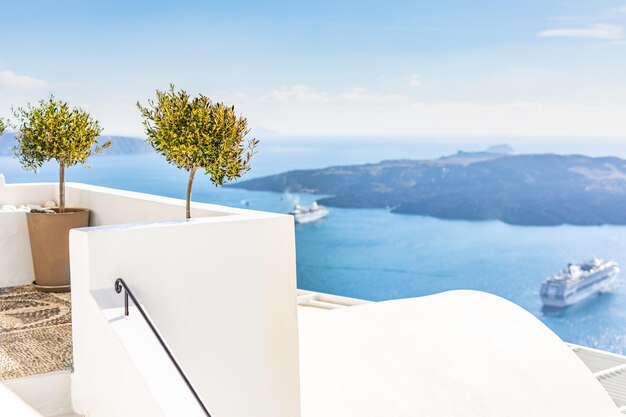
(196, 133)
(54, 131)
(2, 126)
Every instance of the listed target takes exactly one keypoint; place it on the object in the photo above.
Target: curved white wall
(459, 353)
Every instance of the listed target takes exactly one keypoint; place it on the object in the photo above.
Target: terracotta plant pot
(50, 246)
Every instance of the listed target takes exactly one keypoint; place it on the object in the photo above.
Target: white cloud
(303, 110)
(298, 93)
(609, 32)
(361, 96)
(9, 79)
(414, 81)
(303, 94)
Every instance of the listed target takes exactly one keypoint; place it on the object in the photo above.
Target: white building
(221, 290)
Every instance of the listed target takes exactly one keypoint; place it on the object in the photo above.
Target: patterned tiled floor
(35, 332)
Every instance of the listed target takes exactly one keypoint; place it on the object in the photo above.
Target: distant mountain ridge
(122, 145)
(535, 189)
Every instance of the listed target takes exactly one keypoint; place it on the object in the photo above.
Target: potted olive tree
(48, 131)
(197, 134)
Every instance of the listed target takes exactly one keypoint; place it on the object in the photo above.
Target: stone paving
(35, 332)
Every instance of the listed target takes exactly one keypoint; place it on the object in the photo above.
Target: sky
(331, 68)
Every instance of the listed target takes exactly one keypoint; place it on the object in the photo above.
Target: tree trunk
(192, 173)
(61, 187)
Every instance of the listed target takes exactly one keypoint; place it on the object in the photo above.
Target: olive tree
(197, 134)
(4, 124)
(52, 130)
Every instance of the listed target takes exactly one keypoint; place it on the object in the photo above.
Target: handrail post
(121, 285)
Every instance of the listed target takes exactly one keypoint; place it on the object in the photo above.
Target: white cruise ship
(577, 282)
(308, 214)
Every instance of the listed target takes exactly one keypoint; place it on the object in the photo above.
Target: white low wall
(108, 206)
(16, 267)
(31, 193)
(222, 291)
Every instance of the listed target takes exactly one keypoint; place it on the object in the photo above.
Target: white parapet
(16, 266)
(27, 193)
(108, 207)
(222, 292)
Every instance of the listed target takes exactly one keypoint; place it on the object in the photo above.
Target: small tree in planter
(195, 133)
(54, 131)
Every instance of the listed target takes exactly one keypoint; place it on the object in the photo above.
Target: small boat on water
(303, 214)
(577, 282)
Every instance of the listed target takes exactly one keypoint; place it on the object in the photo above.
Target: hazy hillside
(122, 145)
(542, 189)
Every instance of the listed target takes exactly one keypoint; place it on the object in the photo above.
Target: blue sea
(377, 255)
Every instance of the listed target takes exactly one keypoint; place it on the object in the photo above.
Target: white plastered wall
(16, 267)
(458, 353)
(222, 292)
(108, 206)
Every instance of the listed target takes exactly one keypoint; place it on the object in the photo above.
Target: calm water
(377, 255)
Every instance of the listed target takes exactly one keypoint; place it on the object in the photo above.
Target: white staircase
(45, 395)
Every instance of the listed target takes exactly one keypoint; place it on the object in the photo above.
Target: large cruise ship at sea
(577, 282)
(308, 214)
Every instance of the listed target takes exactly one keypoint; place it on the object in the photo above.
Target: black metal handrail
(119, 285)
